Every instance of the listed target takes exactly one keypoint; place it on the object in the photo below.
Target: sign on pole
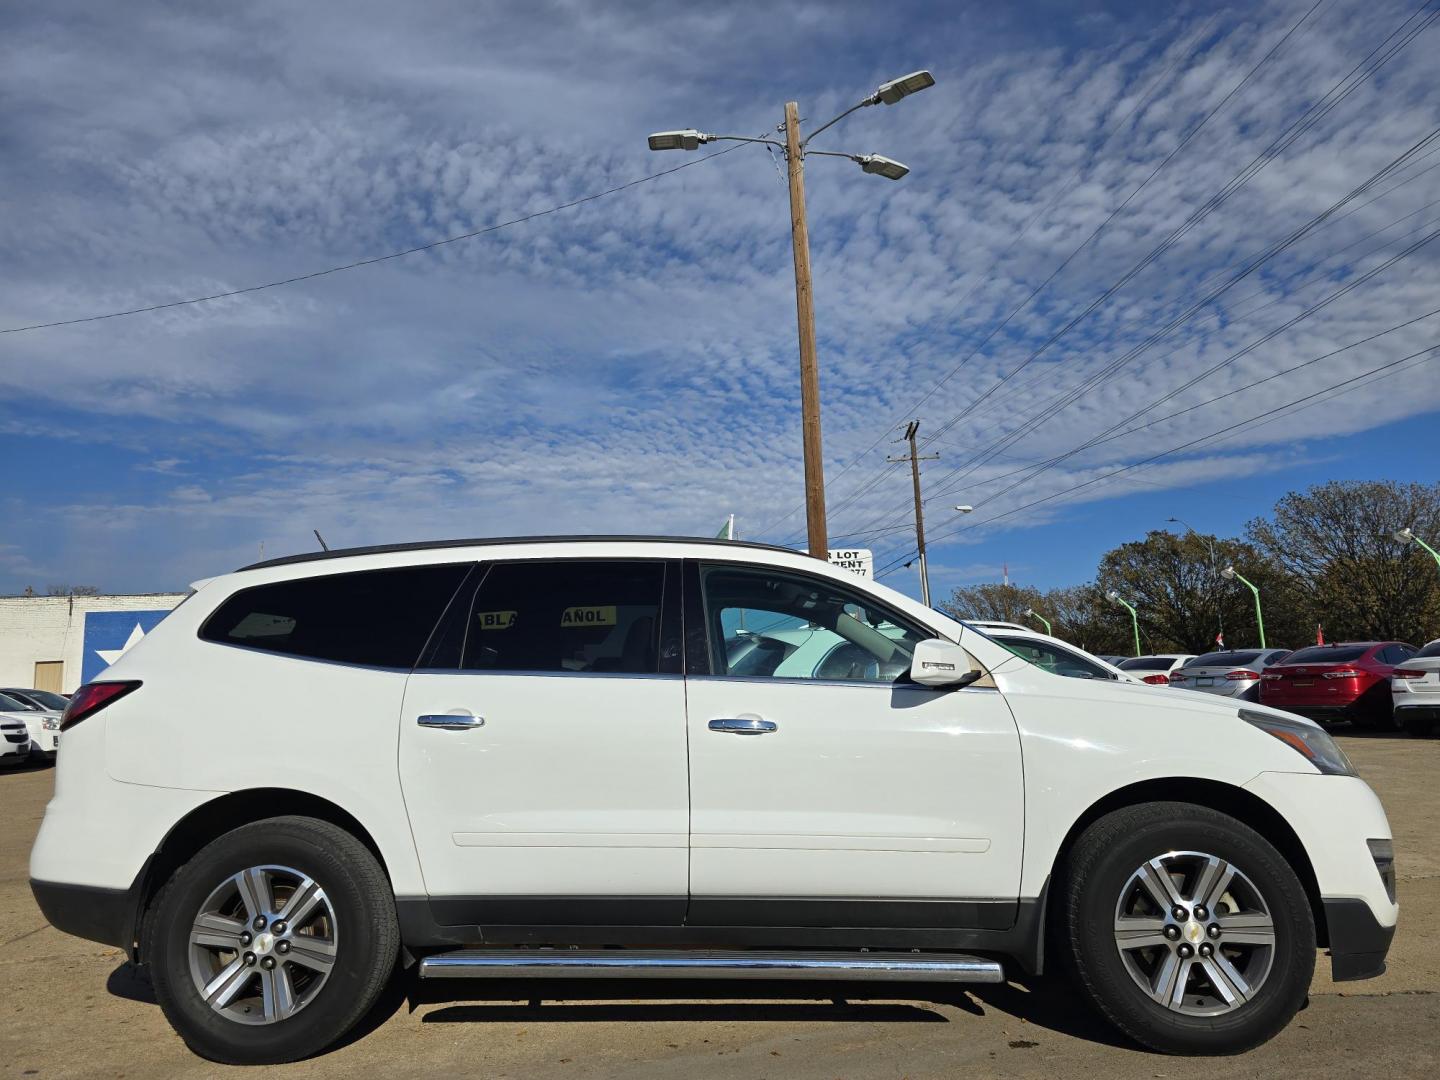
(858, 561)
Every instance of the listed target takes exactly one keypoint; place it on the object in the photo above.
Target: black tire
(367, 942)
(1096, 874)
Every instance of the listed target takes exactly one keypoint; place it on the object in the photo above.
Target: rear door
(830, 791)
(542, 747)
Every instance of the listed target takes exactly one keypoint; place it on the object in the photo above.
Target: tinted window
(818, 629)
(1053, 658)
(1224, 659)
(1433, 649)
(1148, 663)
(1396, 654)
(1327, 654)
(378, 618)
(10, 704)
(579, 616)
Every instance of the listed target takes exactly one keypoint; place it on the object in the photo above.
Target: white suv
(530, 757)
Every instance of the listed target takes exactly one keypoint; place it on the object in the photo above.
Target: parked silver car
(1234, 673)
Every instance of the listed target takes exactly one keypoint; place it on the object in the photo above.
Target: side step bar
(737, 964)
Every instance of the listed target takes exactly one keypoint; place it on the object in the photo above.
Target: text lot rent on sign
(858, 561)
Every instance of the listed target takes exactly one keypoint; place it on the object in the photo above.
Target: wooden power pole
(914, 459)
(805, 316)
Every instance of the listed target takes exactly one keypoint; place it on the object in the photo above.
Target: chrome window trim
(791, 680)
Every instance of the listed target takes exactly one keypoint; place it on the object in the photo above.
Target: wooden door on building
(49, 675)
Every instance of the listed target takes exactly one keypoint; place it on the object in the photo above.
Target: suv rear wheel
(272, 941)
(1187, 929)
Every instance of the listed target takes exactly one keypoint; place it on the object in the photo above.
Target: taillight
(1270, 675)
(1157, 680)
(91, 698)
(1343, 673)
(1242, 673)
(1408, 673)
(1179, 676)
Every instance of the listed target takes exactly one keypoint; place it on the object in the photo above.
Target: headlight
(1316, 746)
(50, 723)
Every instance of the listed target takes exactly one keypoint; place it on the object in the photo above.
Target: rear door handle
(747, 726)
(450, 721)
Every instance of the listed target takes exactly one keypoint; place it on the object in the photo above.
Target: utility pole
(795, 150)
(805, 319)
(914, 458)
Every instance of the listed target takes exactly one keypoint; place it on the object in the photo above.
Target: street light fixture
(1031, 613)
(1405, 536)
(1231, 574)
(892, 91)
(965, 509)
(795, 152)
(1134, 616)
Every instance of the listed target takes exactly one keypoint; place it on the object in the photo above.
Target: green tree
(1181, 601)
(995, 602)
(1337, 540)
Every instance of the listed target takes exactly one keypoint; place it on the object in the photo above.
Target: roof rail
(488, 541)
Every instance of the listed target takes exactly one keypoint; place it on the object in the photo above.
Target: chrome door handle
(450, 721)
(750, 726)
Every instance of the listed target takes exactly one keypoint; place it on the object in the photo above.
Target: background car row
(36, 713)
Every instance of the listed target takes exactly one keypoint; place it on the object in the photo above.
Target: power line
(377, 258)
(1328, 102)
(1418, 357)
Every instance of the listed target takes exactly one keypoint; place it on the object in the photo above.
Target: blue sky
(629, 365)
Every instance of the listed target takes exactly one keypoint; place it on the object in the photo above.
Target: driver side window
(764, 623)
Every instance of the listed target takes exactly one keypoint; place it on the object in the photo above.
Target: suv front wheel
(1187, 929)
(273, 941)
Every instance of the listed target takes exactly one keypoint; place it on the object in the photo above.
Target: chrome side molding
(514, 963)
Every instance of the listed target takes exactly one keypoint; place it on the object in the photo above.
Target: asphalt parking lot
(73, 1008)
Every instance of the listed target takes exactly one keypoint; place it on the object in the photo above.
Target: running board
(736, 964)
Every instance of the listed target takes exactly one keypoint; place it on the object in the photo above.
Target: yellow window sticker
(495, 620)
(598, 615)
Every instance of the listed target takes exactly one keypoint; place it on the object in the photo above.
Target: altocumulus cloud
(629, 364)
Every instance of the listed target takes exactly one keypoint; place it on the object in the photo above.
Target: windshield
(44, 698)
(1327, 654)
(1148, 663)
(1225, 659)
(9, 704)
(1433, 649)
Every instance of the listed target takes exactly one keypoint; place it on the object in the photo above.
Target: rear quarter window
(373, 618)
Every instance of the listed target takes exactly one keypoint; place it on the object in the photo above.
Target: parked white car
(1415, 691)
(1155, 669)
(42, 725)
(14, 742)
(1233, 673)
(532, 758)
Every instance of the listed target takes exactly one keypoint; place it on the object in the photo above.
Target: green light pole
(1032, 613)
(1231, 574)
(1405, 536)
(1134, 616)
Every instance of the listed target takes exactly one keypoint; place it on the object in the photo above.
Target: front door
(823, 791)
(542, 747)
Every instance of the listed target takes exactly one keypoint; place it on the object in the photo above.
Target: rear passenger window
(375, 618)
(590, 616)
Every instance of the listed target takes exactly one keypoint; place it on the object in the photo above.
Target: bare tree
(72, 590)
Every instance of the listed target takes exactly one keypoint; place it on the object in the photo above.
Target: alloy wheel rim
(263, 944)
(1195, 933)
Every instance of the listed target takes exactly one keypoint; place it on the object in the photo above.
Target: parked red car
(1349, 680)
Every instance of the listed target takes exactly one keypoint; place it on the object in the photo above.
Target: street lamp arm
(740, 138)
(873, 99)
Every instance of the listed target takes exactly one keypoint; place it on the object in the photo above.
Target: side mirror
(941, 663)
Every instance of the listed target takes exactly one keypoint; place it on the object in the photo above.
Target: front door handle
(450, 721)
(748, 726)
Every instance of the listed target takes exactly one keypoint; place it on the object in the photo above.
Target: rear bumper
(88, 911)
(1358, 942)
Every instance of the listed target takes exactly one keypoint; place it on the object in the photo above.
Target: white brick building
(58, 642)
